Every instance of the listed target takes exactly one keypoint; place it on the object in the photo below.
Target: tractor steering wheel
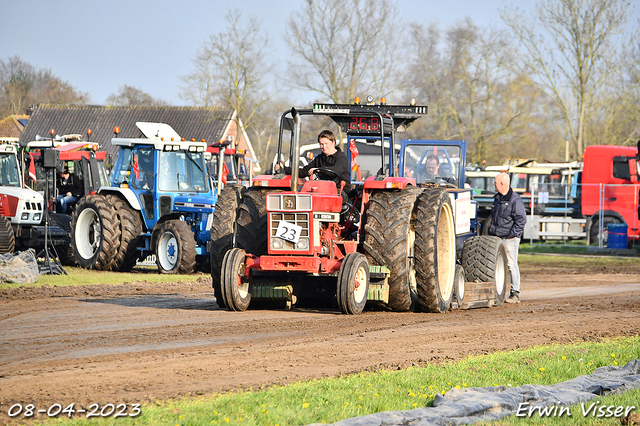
(325, 170)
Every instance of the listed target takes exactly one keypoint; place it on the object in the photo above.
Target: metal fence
(565, 213)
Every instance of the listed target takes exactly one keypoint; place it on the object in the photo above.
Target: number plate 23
(289, 231)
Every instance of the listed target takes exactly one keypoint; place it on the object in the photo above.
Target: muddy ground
(144, 341)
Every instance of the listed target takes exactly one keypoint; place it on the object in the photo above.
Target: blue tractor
(159, 202)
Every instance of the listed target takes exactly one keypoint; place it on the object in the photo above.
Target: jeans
(64, 201)
(511, 246)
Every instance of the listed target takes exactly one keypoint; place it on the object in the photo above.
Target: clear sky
(98, 46)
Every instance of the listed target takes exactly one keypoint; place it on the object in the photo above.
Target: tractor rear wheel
(95, 233)
(353, 283)
(235, 287)
(389, 241)
(484, 258)
(7, 236)
(222, 232)
(175, 247)
(435, 250)
(251, 234)
(130, 230)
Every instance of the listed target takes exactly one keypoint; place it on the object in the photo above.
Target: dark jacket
(508, 216)
(72, 184)
(337, 162)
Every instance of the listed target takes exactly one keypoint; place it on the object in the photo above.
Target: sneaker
(514, 297)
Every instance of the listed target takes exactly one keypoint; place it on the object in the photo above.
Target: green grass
(570, 247)
(79, 276)
(536, 262)
(334, 399)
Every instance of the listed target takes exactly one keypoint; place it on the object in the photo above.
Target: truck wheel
(353, 283)
(7, 236)
(175, 247)
(64, 250)
(484, 258)
(435, 250)
(389, 241)
(458, 285)
(222, 230)
(95, 234)
(251, 233)
(130, 222)
(235, 287)
(594, 230)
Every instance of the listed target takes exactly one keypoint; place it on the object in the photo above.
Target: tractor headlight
(36, 216)
(303, 244)
(277, 243)
(25, 216)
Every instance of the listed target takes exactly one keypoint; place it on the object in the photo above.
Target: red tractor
(393, 244)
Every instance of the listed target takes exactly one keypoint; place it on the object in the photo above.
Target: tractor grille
(300, 219)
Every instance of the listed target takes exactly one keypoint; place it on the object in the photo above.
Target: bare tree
(570, 50)
(467, 84)
(132, 96)
(344, 47)
(229, 69)
(22, 85)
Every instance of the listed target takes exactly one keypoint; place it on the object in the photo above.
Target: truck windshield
(9, 171)
(182, 171)
(431, 163)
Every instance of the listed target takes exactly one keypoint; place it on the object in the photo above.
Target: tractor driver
(331, 158)
(432, 167)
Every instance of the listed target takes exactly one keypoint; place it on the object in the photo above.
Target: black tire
(485, 226)
(175, 247)
(222, 232)
(594, 230)
(64, 250)
(235, 287)
(389, 241)
(435, 250)
(459, 285)
(95, 233)
(353, 283)
(130, 222)
(7, 236)
(484, 258)
(251, 232)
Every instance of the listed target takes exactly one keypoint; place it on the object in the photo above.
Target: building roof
(12, 126)
(208, 123)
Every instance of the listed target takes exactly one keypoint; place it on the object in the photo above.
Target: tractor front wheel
(353, 283)
(222, 234)
(175, 247)
(95, 233)
(233, 283)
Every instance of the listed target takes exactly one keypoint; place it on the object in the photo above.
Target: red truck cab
(610, 189)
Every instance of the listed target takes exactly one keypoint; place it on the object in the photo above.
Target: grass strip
(334, 399)
(80, 276)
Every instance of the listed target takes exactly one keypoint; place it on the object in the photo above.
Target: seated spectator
(70, 189)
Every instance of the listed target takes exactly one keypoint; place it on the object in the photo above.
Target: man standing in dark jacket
(508, 218)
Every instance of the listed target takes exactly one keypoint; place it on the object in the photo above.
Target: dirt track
(141, 341)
